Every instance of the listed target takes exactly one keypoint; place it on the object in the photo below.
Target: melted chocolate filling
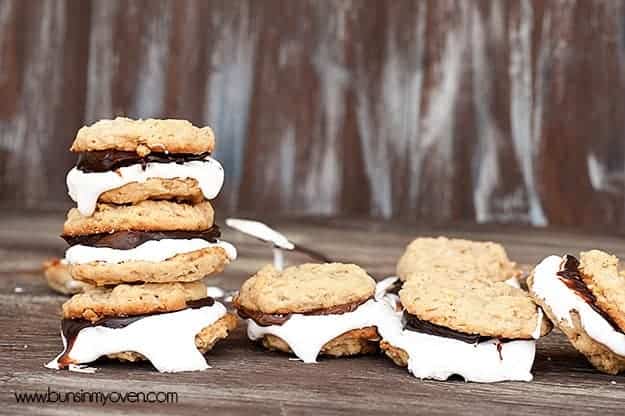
(395, 287)
(268, 319)
(572, 278)
(126, 240)
(418, 325)
(72, 327)
(107, 160)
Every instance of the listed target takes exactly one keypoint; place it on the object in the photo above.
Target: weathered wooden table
(247, 380)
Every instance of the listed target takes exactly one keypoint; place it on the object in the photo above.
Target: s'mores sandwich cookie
(585, 299)
(459, 258)
(125, 161)
(171, 325)
(482, 331)
(151, 241)
(311, 309)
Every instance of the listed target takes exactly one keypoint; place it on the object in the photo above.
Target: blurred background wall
(488, 111)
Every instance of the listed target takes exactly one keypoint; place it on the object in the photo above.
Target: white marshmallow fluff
(306, 334)
(167, 340)
(562, 300)
(152, 251)
(85, 188)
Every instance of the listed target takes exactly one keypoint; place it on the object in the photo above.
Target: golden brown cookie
(398, 355)
(471, 260)
(130, 300)
(59, 278)
(186, 267)
(491, 309)
(144, 136)
(144, 216)
(205, 340)
(186, 190)
(305, 288)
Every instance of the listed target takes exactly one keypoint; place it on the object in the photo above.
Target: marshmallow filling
(268, 319)
(87, 181)
(166, 339)
(307, 333)
(558, 283)
(151, 251)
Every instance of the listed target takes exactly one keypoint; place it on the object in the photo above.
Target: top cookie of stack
(142, 189)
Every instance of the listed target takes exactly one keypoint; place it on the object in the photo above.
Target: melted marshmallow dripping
(85, 188)
(167, 340)
(307, 334)
(151, 251)
(278, 240)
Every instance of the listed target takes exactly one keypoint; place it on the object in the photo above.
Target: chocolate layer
(395, 287)
(572, 278)
(106, 160)
(72, 327)
(268, 319)
(413, 323)
(125, 240)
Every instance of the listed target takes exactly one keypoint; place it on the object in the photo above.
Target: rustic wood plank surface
(439, 109)
(247, 380)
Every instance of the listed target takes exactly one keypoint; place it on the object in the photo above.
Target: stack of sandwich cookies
(144, 223)
(311, 309)
(482, 331)
(585, 299)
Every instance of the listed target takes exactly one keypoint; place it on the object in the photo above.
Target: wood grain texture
(485, 111)
(248, 380)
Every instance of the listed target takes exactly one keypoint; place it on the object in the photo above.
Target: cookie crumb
(78, 368)
(18, 289)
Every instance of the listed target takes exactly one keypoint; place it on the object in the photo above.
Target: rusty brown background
(488, 111)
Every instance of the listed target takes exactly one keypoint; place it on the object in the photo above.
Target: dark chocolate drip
(268, 319)
(415, 324)
(200, 303)
(395, 287)
(72, 327)
(125, 240)
(572, 278)
(107, 160)
(263, 319)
